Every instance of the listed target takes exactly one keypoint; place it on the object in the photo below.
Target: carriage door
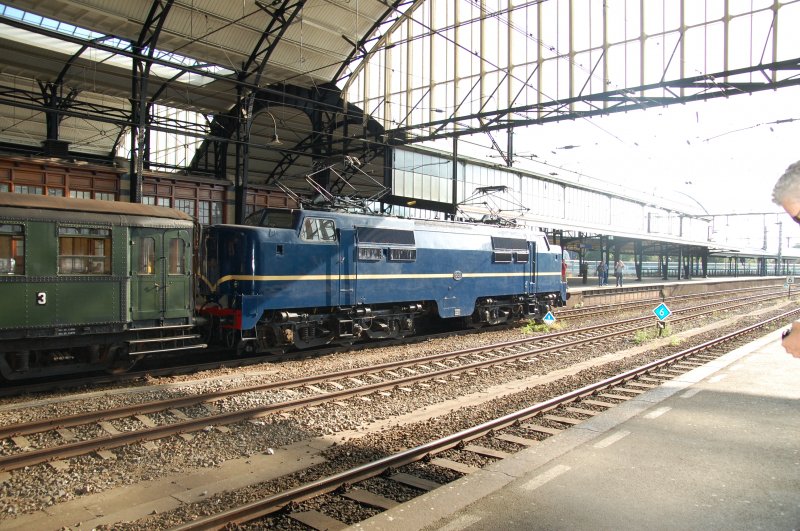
(347, 267)
(160, 284)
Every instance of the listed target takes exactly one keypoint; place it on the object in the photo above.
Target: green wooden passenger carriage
(87, 285)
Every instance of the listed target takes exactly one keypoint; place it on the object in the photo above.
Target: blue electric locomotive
(303, 278)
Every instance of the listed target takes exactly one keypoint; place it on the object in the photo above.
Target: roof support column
(454, 206)
(54, 103)
(245, 122)
(321, 146)
(140, 109)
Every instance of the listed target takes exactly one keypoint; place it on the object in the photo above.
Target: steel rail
(271, 504)
(64, 451)
(6, 391)
(162, 405)
(603, 308)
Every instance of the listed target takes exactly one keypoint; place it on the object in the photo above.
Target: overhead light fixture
(275, 140)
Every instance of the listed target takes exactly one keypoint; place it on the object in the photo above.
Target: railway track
(215, 409)
(11, 389)
(535, 422)
(589, 311)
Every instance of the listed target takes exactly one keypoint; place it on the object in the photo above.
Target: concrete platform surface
(717, 448)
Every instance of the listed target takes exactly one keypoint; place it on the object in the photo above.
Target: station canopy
(201, 66)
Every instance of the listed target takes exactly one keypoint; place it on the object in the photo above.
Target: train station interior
(221, 109)
(459, 111)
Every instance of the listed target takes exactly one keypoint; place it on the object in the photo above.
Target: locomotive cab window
(275, 218)
(522, 256)
(12, 250)
(318, 230)
(84, 251)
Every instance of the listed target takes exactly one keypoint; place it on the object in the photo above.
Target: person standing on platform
(563, 271)
(787, 194)
(619, 270)
(601, 272)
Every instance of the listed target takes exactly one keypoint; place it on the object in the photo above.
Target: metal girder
(281, 16)
(706, 86)
(371, 42)
(329, 118)
(25, 99)
(140, 109)
(54, 100)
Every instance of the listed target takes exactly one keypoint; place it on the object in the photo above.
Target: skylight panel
(163, 71)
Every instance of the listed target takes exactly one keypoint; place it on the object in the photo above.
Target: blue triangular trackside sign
(549, 318)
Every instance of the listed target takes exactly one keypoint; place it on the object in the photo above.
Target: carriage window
(319, 229)
(12, 250)
(176, 256)
(147, 256)
(84, 251)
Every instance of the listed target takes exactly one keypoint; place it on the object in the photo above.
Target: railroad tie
(641, 385)
(414, 481)
(563, 420)
(66, 434)
(454, 465)
(522, 441)
(178, 414)
(108, 428)
(106, 455)
(616, 396)
(582, 411)
(318, 520)
(147, 421)
(59, 465)
(21, 442)
(368, 498)
(599, 403)
(540, 429)
(632, 391)
(488, 452)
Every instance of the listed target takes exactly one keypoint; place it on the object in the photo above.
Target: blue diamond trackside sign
(549, 318)
(662, 312)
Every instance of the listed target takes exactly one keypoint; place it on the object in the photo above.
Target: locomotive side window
(12, 250)
(402, 255)
(176, 256)
(84, 251)
(372, 254)
(522, 256)
(502, 257)
(318, 230)
(147, 256)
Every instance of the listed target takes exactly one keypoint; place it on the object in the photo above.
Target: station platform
(654, 287)
(716, 448)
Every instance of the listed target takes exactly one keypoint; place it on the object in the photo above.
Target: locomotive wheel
(119, 362)
(230, 337)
